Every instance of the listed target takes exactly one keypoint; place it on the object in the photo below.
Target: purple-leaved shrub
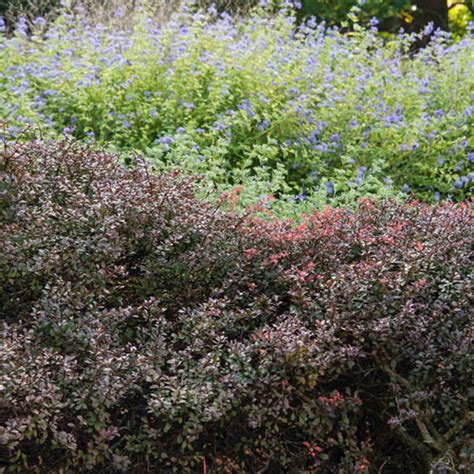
(146, 331)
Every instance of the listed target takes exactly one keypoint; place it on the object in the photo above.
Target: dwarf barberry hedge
(146, 331)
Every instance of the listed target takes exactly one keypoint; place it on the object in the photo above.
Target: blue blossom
(247, 107)
(330, 187)
(212, 9)
(428, 29)
(39, 21)
(406, 188)
(374, 22)
(21, 26)
(264, 125)
(219, 125)
(166, 140)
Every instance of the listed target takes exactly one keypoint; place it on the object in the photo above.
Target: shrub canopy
(145, 330)
(308, 111)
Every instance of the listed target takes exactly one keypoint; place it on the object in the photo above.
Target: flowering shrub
(305, 111)
(145, 331)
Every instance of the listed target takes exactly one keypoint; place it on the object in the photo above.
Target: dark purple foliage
(146, 331)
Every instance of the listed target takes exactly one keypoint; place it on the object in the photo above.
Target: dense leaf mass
(145, 331)
(291, 110)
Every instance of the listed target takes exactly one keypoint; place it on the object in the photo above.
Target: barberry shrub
(146, 331)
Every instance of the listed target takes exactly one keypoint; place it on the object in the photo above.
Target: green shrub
(144, 331)
(315, 111)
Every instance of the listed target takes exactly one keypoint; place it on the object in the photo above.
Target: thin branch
(413, 443)
(460, 426)
(430, 436)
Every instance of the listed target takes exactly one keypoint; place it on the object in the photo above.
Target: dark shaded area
(434, 11)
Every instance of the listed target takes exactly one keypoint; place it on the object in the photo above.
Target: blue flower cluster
(336, 110)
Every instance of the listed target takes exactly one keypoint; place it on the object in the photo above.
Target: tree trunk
(435, 11)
